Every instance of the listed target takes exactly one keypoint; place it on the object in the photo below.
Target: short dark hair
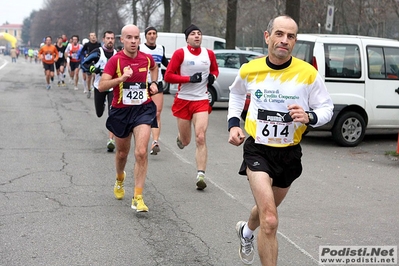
(108, 32)
(270, 26)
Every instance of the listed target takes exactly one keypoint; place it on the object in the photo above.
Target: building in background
(13, 29)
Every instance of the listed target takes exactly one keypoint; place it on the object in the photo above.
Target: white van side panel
(343, 93)
(382, 103)
(363, 82)
(382, 100)
(349, 90)
(173, 41)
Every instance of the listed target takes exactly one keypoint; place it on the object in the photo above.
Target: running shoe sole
(110, 146)
(201, 185)
(134, 207)
(245, 261)
(155, 150)
(179, 144)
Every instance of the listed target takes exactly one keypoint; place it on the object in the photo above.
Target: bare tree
(316, 21)
(394, 6)
(147, 9)
(364, 17)
(95, 10)
(186, 13)
(167, 16)
(253, 19)
(214, 12)
(134, 11)
(26, 28)
(292, 8)
(55, 19)
(232, 25)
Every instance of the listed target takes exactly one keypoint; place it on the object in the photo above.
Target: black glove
(95, 70)
(196, 78)
(211, 79)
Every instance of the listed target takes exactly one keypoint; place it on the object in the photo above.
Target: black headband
(190, 29)
(148, 29)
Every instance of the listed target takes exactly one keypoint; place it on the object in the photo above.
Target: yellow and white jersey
(273, 88)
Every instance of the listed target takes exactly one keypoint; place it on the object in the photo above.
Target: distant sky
(15, 11)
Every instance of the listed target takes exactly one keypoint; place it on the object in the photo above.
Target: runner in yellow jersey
(287, 95)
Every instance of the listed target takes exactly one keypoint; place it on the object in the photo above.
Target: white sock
(246, 232)
(200, 173)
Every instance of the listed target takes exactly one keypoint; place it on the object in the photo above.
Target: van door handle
(397, 90)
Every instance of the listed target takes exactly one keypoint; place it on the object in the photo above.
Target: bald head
(130, 37)
(129, 29)
(281, 36)
(282, 20)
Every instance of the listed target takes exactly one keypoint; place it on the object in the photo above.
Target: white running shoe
(201, 185)
(246, 250)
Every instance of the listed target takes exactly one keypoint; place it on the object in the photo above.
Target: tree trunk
(134, 9)
(292, 8)
(231, 24)
(96, 17)
(167, 20)
(186, 14)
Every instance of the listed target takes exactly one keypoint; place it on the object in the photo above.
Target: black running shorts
(74, 65)
(283, 165)
(59, 63)
(121, 121)
(48, 67)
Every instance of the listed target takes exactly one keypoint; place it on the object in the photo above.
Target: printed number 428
(135, 95)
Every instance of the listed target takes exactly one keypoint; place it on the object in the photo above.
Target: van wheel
(349, 129)
(211, 95)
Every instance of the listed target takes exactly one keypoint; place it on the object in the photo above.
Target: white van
(173, 41)
(362, 77)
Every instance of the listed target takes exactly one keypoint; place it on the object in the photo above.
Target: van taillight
(314, 62)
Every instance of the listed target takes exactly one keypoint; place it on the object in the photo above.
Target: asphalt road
(58, 208)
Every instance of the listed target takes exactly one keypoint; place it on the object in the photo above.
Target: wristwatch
(154, 82)
(311, 118)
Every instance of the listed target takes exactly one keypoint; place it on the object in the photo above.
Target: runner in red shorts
(193, 67)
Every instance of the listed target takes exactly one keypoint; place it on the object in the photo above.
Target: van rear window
(383, 62)
(342, 60)
(303, 50)
(219, 45)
